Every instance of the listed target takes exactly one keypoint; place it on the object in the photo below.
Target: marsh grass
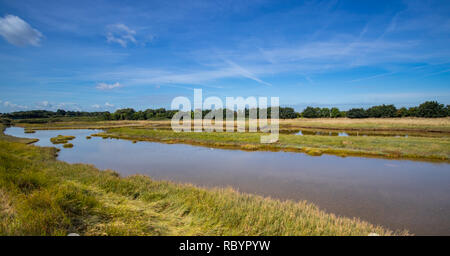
(42, 196)
(61, 139)
(11, 138)
(420, 148)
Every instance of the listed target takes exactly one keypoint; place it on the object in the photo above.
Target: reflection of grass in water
(68, 145)
(61, 139)
(88, 137)
(42, 196)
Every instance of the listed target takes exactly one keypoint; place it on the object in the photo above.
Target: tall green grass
(42, 196)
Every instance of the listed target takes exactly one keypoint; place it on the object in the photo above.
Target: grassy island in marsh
(40, 195)
(61, 139)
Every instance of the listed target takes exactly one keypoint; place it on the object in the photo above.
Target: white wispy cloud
(67, 106)
(121, 34)
(18, 32)
(439, 72)
(373, 77)
(107, 105)
(105, 86)
(199, 76)
(306, 59)
(246, 73)
(398, 97)
(13, 106)
(70, 106)
(44, 104)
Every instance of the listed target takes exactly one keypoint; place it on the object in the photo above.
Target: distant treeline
(426, 109)
(126, 114)
(120, 114)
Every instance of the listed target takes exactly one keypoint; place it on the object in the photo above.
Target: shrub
(382, 111)
(324, 112)
(5, 121)
(403, 112)
(356, 113)
(310, 112)
(335, 113)
(287, 113)
(431, 109)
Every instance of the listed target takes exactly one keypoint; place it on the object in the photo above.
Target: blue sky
(104, 55)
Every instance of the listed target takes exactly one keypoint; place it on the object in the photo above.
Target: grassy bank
(5, 137)
(42, 196)
(422, 148)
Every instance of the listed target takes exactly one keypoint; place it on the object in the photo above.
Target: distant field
(392, 124)
(368, 124)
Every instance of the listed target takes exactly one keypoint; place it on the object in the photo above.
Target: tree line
(131, 114)
(427, 109)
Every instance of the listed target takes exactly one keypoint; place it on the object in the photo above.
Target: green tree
(356, 113)
(107, 116)
(124, 114)
(310, 112)
(413, 111)
(140, 115)
(431, 109)
(61, 112)
(382, 111)
(402, 112)
(335, 113)
(286, 113)
(324, 112)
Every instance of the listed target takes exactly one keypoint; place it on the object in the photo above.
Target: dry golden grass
(419, 124)
(366, 124)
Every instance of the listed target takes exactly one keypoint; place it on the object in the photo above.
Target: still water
(397, 194)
